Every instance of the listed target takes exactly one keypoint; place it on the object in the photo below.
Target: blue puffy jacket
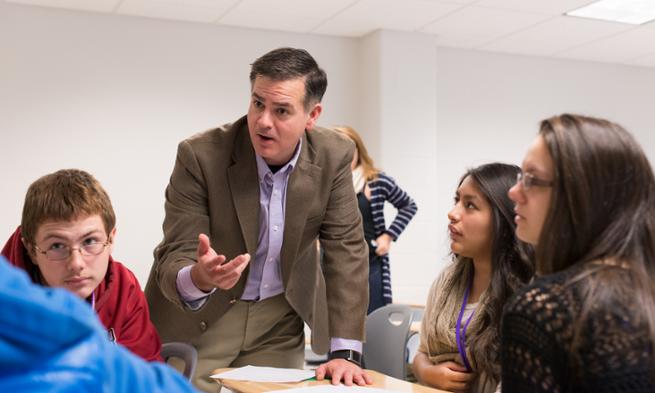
(51, 341)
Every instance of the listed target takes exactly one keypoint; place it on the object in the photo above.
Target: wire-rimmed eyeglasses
(528, 180)
(63, 253)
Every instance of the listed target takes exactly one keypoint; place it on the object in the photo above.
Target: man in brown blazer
(237, 272)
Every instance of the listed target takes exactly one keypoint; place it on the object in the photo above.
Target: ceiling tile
(369, 15)
(187, 10)
(533, 27)
(550, 7)
(556, 35)
(455, 1)
(475, 26)
(84, 5)
(622, 47)
(285, 15)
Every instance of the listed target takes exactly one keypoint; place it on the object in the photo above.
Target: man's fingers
(336, 376)
(237, 264)
(367, 378)
(243, 262)
(228, 281)
(203, 244)
(361, 378)
(320, 372)
(212, 263)
(216, 271)
(347, 378)
(225, 275)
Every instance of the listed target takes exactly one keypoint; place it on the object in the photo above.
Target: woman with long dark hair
(586, 201)
(460, 333)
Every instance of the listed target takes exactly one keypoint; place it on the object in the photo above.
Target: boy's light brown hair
(65, 195)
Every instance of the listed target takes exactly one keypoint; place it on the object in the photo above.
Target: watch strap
(347, 354)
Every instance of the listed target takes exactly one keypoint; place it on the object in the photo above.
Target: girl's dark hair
(509, 271)
(602, 210)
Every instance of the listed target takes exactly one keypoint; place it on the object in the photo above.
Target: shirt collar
(263, 169)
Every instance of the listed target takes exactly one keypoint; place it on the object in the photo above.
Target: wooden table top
(380, 381)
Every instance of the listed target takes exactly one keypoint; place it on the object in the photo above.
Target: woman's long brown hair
(601, 214)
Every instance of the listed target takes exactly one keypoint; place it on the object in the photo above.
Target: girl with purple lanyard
(460, 339)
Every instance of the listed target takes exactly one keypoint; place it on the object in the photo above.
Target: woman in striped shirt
(373, 188)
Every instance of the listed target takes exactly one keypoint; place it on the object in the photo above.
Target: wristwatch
(347, 354)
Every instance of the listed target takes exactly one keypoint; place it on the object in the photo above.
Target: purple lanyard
(461, 336)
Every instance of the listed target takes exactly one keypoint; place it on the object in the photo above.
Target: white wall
(114, 95)
(401, 112)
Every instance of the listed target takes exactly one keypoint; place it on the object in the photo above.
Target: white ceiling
(530, 27)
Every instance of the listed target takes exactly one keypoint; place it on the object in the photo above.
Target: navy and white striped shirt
(384, 189)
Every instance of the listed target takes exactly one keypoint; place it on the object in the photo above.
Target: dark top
(615, 352)
(367, 221)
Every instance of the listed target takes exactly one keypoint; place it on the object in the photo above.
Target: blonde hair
(364, 159)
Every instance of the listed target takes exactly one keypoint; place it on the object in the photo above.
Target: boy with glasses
(65, 240)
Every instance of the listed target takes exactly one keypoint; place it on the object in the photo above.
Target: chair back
(183, 351)
(387, 330)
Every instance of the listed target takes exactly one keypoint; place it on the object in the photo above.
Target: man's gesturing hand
(211, 271)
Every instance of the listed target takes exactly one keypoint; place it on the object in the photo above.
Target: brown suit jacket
(214, 189)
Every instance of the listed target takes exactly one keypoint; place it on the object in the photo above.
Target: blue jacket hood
(51, 341)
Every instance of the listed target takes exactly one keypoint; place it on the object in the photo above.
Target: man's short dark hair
(289, 63)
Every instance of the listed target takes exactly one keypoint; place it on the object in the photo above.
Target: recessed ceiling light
(634, 12)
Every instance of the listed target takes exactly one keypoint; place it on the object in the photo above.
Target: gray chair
(387, 330)
(413, 338)
(417, 312)
(185, 352)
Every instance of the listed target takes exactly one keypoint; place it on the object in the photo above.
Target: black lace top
(615, 353)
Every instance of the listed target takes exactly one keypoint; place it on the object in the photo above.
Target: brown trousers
(264, 333)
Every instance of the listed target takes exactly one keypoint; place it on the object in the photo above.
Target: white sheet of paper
(333, 389)
(266, 374)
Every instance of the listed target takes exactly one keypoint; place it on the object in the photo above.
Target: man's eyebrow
(276, 103)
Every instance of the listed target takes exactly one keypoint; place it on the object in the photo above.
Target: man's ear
(314, 115)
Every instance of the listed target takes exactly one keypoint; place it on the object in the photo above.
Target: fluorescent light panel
(635, 12)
